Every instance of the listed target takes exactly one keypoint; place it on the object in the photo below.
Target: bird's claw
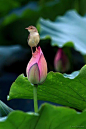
(37, 49)
(33, 54)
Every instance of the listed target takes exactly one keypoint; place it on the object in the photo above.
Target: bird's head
(31, 29)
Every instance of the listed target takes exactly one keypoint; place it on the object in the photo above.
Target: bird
(33, 38)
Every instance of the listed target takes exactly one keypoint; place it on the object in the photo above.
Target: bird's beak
(26, 28)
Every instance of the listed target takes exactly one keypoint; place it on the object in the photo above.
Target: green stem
(35, 98)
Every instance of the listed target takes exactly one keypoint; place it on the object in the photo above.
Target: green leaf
(80, 6)
(67, 30)
(49, 117)
(7, 5)
(72, 75)
(56, 88)
(14, 52)
(4, 109)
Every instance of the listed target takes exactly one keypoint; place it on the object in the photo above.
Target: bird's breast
(33, 39)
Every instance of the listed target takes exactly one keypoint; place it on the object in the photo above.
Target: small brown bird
(33, 38)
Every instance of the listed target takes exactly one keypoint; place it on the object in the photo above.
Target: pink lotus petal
(37, 67)
(42, 64)
(33, 74)
(34, 59)
(61, 62)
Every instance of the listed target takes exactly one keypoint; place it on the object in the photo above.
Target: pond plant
(67, 90)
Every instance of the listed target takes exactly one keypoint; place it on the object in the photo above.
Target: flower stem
(35, 98)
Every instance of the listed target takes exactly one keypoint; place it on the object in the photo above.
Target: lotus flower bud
(61, 62)
(37, 68)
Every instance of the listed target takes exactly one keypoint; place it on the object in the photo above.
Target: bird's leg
(33, 54)
(37, 49)
(32, 51)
